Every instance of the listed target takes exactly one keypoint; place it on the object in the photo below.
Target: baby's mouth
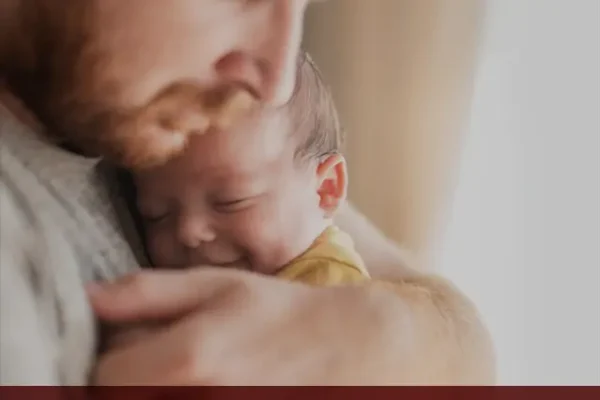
(232, 263)
(240, 264)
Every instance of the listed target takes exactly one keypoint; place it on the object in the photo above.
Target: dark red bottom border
(298, 393)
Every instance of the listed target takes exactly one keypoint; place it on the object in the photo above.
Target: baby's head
(255, 197)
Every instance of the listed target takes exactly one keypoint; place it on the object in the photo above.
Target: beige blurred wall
(401, 72)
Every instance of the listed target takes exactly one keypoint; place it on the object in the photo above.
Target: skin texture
(112, 83)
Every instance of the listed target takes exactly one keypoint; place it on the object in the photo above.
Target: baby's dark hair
(313, 113)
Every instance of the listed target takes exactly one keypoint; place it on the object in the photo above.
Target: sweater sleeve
(26, 351)
(33, 315)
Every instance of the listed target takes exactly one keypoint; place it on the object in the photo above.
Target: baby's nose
(195, 230)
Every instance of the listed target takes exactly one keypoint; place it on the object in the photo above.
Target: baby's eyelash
(230, 206)
(153, 219)
(229, 202)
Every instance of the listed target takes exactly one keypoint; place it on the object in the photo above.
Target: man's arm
(241, 328)
(448, 341)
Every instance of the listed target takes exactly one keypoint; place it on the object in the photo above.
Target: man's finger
(160, 294)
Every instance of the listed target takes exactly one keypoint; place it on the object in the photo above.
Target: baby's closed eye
(234, 204)
(155, 219)
(153, 215)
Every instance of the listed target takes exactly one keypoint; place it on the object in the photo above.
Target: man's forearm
(442, 339)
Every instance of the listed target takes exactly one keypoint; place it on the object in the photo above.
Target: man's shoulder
(58, 229)
(44, 309)
(74, 193)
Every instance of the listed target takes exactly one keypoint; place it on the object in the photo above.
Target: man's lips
(237, 105)
(161, 130)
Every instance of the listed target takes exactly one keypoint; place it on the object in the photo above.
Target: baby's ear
(333, 183)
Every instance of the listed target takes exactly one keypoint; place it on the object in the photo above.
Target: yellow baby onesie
(331, 260)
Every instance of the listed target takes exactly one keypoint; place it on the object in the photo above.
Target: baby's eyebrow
(243, 182)
(150, 201)
(236, 174)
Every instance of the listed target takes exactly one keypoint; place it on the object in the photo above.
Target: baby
(259, 198)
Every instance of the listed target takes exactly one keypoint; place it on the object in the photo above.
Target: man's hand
(226, 327)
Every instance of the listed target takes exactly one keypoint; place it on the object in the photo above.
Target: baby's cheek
(162, 250)
(265, 236)
(247, 229)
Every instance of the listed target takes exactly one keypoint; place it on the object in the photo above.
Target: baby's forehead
(260, 144)
(260, 140)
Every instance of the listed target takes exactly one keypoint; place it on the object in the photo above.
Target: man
(128, 81)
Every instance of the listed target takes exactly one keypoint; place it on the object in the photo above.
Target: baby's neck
(321, 235)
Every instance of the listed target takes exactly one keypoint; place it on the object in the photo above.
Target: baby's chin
(245, 265)
(241, 264)
(197, 260)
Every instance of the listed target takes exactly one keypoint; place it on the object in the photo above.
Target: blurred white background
(524, 234)
(474, 139)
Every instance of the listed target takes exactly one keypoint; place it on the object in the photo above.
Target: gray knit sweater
(58, 230)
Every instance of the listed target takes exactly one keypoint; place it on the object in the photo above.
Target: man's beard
(53, 69)
(150, 135)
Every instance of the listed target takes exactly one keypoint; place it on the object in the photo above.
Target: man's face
(141, 80)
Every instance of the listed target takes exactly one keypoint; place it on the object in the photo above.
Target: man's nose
(194, 230)
(265, 62)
